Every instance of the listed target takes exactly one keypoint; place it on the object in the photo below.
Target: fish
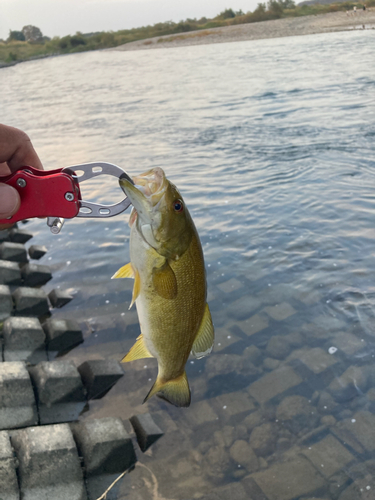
(170, 290)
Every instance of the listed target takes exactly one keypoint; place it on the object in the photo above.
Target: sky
(66, 17)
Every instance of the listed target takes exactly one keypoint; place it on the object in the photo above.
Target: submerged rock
(297, 414)
(278, 347)
(263, 439)
(242, 453)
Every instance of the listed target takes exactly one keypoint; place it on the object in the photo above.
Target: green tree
(32, 34)
(275, 8)
(77, 40)
(226, 14)
(16, 35)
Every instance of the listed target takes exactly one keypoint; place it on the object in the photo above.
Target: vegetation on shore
(31, 44)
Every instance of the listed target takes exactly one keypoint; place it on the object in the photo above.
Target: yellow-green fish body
(170, 284)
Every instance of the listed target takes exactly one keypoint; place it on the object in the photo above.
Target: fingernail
(9, 201)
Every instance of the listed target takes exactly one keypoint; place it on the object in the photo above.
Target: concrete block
(107, 451)
(99, 375)
(285, 481)
(59, 391)
(362, 428)
(59, 298)
(35, 274)
(37, 251)
(146, 430)
(24, 340)
(274, 384)
(62, 335)
(17, 401)
(279, 312)
(329, 456)
(8, 478)
(30, 302)
(13, 251)
(4, 235)
(49, 466)
(19, 236)
(6, 302)
(10, 273)
(350, 384)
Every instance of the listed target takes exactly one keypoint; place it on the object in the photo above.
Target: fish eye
(178, 206)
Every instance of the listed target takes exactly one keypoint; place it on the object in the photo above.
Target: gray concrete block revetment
(8, 478)
(59, 298)
(62, 335)
(24, 340)
(35, 274)
(60, 393)
(99, 375)
(37, 251)
(17, 401)
(6, 302)
(19, 236)
(49, 466)
(10, 273)
(30, 302)
(15, 252)
(146, 430)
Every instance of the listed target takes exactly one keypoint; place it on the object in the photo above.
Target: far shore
(289, 26)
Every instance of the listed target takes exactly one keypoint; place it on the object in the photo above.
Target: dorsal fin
(138, 351)
(204, 339)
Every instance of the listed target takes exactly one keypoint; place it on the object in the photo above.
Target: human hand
(16, 151)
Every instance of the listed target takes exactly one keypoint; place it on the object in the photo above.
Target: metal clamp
(87, 171)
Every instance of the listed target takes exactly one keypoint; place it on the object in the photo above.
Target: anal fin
(204, 339)
(138, 351)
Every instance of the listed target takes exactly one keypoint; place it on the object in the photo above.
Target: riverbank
(290, 26)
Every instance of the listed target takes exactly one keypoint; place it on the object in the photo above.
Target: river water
(272, 144)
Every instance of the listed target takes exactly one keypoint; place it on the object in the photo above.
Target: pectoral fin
(136, 287)
(176, 391)
(138, 351)
(204, 339)
(126, 271)
(164, 281)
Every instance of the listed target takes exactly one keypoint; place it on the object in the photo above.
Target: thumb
(9, 201)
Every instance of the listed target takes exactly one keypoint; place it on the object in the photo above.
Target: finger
(10, 202)
(16, 149)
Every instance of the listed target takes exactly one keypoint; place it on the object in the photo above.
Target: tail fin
(176, 391)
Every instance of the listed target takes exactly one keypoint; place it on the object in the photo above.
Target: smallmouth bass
(166, 262)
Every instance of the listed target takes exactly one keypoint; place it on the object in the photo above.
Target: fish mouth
(146, 193)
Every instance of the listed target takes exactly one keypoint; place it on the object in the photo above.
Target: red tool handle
(43, 193)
